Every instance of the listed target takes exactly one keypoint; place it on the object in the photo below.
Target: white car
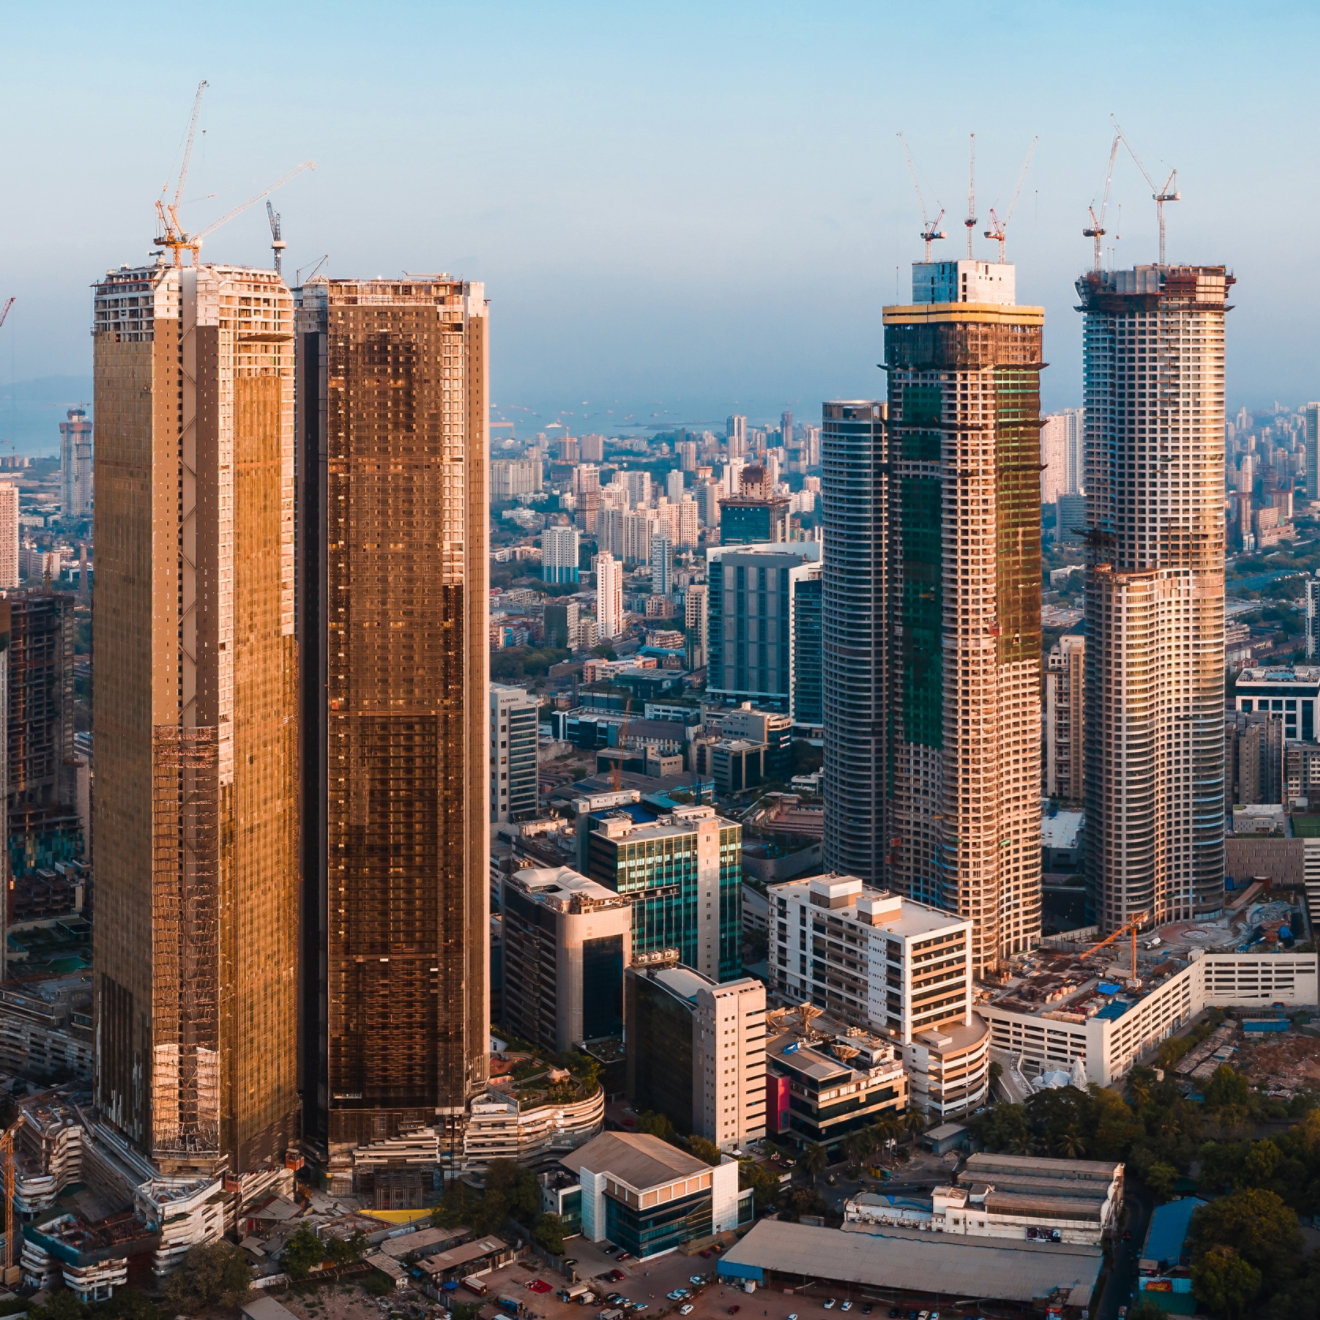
(846, 1306)
(685, 1309)
(829, 1303)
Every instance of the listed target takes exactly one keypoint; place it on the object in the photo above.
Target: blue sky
(678, 209)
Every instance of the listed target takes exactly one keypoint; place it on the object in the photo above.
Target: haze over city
(678, 210)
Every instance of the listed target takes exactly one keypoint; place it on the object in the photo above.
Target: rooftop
(921, 1262)
(564, 889)
(848, 897)
(635, 1158)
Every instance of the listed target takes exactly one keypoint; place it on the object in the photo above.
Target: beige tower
(1153, 345)
(196, 821)
(8, 535)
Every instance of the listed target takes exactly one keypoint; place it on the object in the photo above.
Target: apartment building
(514, 785)
(901, 968)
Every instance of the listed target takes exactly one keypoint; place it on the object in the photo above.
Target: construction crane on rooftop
(1168, 193)
(930, 231)
(1096, 229)
(1130, 929)
(970, 222)
(998, 227)
(176, 240)
(277, 244)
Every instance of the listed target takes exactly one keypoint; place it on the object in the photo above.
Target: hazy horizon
(677, 211)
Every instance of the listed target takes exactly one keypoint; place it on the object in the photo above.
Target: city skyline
(678, 142)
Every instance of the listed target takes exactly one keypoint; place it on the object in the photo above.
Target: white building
(674, 482)
(514, 785)
(76, 465)
(609, 596)
(1107, 1043)
(1153, 341)
(881, 961)
(662, 565)
(559, 554)
(511, 477)
(1021, 1198)
(1061, 455)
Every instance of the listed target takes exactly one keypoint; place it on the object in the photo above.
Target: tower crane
(11, 1274)
(4, 311)
(998, 227)
(1168, 193)
(930, 231)
(277, 244)
(168, 213)
(1096, 229)
(1130, 929)
(298, 274)
(173, 238)
(970, 222)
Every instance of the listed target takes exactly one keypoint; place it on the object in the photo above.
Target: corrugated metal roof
(956, 1267)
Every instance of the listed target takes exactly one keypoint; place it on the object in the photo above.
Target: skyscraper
(963, 573)
(8, 535)
(76, 464)
(195, 950)
(1061, 455)
(854, 508)
(1065, 690)
(514, 783)
(735, 430)
(609, 596)
(662, 564)
(1153, 363)
(756, 514)
(392, 435)
(1311, 441)
(786, 428)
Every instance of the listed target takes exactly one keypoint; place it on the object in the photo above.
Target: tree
(302, 1253)
(519, 1190)
(1225, 1283)
(815, 1160)
(1146, 1311)
(1161, 1179)
(1227, 1086)
(344, 1251)
(548, 1232)
(130, 1303)
(764, 1185)
(62, 1306)
(214, 1274)
(704, 1150)
(1255, 1224)
(657, 1125)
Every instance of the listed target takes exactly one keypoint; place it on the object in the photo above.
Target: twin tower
(290, 663)
(932, 602)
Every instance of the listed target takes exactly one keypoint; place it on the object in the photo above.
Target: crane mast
(930, 231)
(1096, 229)
(970, 222)
(999, 228)
(1168, 193)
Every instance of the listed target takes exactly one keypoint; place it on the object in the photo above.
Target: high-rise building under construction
(392, 436)
(1153, 346)
(194, 700)
(963, 652)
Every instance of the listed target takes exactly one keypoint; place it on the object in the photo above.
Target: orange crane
(1130, 929)
(11, 1275)
(173, 238)
(1096, 229)
(1168, 193)
(930, 230)
(997, 226)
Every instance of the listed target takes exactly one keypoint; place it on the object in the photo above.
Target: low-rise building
(824, 1082)
(1029, 1199)
(648, 1197)
(1051, 1022)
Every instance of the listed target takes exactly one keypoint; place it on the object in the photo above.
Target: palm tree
(1069, 1144)
(856, 1147)
(914, 1121)
(815, 1160)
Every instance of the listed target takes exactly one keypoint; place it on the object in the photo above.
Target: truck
(475, 1285)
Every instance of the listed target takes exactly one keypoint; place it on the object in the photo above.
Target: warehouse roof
(980, 1268)
(635, 1158)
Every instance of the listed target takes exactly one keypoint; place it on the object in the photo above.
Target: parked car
(829, 1303)
(847, 1305)
(697, 1278)
(685, 1309)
